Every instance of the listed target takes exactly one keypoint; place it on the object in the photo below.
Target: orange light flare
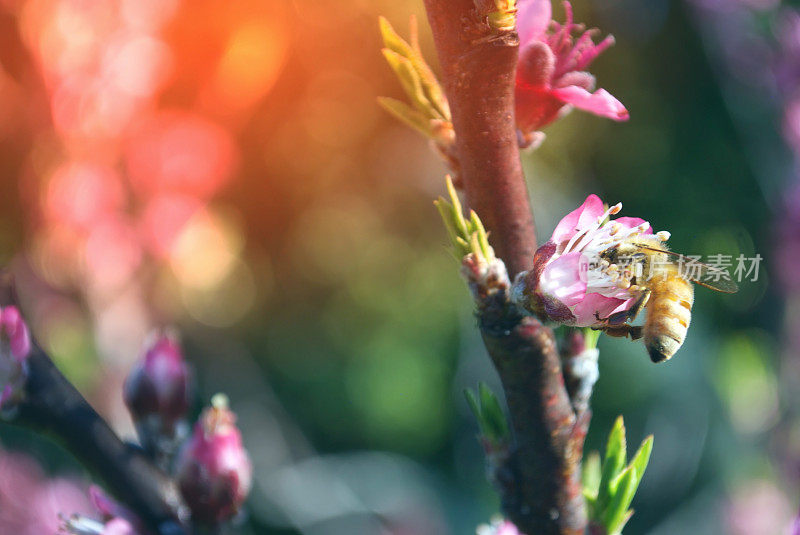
(233, 55)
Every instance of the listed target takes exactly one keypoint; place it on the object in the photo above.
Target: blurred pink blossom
(551, 72)
(31, 504)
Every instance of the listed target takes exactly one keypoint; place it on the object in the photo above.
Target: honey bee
(663, 280)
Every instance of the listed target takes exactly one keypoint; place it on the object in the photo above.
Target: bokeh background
(223, 167)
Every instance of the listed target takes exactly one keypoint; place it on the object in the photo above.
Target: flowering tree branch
(51, 404)
(541, 483)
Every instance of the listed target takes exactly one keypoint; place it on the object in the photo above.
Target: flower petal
(595, 305)
(533, 17)
(630, 222)
(564, 279)
(578, 219)
(601, 102)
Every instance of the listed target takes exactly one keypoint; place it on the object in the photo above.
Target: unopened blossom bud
(157, 393)
(159, 383)
(15, 346)
(214, 471)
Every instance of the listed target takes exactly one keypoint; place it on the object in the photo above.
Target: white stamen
(663, 235)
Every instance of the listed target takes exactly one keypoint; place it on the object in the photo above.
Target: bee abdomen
(668, 317)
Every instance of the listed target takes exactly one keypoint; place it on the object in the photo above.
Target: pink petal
(630, 222)
(533, 17)
(578, 219)
(593, 306)
(564, 279)
(601, 102)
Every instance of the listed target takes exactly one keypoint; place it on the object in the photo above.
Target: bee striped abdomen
(669, 312)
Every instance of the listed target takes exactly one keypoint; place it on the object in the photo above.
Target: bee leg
(621, 331)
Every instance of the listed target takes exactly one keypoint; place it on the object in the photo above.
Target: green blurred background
(250, 191)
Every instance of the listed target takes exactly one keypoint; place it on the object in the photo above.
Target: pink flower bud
(214, 471)
(15, 346)
(158, 388)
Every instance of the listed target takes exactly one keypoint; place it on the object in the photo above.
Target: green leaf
(405, 113)
(489, 414)
(493, 414)
(410, 80)
(591, 474)
(613, 462)
(617, 514)
(641, 458)
(430, 90)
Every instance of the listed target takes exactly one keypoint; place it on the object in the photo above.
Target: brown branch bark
(543, 495)
(54, 406)
(479, 81)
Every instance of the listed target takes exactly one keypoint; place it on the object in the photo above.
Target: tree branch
(542, 494)
(53, 405)
(478, 78)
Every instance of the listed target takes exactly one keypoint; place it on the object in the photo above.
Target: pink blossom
(570, 282)
(213, 470)
(551, 71)
(15, 346)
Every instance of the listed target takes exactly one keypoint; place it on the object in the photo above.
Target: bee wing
(709, 276)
